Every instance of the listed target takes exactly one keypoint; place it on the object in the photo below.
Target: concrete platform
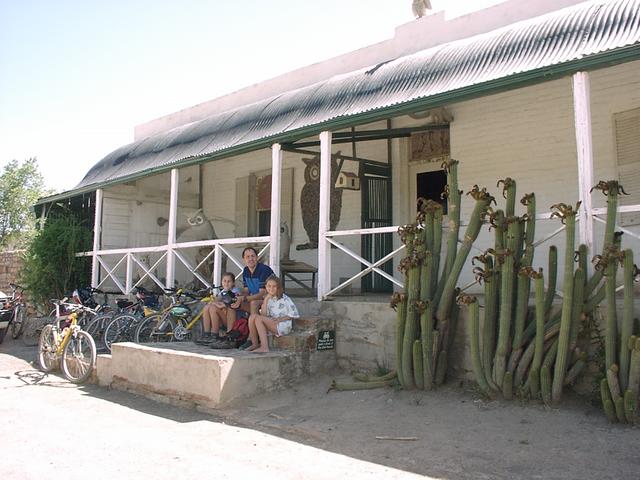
(188, 374)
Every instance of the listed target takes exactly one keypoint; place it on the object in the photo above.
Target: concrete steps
(194, 375)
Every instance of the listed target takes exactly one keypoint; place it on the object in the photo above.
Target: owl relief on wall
(310, 198)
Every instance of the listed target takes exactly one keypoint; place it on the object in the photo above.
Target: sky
(76, 77)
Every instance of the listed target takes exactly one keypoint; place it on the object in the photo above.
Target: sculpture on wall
(420, 7)
(285, 243)
(310, 198)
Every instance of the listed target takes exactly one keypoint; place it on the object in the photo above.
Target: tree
(51, 268)
(21, 184)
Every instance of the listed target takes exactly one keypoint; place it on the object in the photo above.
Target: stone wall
(10, 265)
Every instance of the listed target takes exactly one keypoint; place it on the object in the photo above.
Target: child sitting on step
(220, 312)
(276, 316)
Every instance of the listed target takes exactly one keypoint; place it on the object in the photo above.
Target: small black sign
(326, 340)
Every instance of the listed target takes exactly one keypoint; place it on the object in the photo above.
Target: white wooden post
(324, 217)
(582, 114)
(171, 237)
(97, 232)
(128, 282)
(276, 191)
(217, 266)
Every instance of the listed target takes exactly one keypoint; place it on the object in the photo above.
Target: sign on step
(326, 340)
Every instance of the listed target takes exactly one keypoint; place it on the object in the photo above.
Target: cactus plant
(568, 215)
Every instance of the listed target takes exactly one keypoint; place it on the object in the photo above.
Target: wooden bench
(294, 270)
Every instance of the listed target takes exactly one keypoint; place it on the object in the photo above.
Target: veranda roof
(582, 37)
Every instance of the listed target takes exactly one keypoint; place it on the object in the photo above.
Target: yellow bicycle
(179, 322)
(65, 344)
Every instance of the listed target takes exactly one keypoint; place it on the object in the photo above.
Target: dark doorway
(376, 212)
(431, 186)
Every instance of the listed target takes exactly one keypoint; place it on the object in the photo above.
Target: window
(253, 202)
(627, 138)
(431, 186)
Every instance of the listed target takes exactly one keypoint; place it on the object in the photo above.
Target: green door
(376, 212)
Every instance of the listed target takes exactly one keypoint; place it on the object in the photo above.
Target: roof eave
(519, 80)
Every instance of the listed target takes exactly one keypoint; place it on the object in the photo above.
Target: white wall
(528, 134)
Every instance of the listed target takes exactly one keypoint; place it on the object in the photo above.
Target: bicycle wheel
(47, 357)
(96, 327)
(33, 328)
(156, 328)
(118, 330)
(18, 321)
(79, 357)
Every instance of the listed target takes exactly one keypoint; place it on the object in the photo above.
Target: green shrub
(51, 269)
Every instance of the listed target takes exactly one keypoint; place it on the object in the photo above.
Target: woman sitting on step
(276, 316)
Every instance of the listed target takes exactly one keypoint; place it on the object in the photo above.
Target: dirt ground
(450, 433)
(458, 435)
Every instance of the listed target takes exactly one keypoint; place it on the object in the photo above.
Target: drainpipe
(324, 217)
(171, 237)
(276, 191)
(584, 144)
(97, 232)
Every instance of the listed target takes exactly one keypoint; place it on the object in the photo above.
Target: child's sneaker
(206, 339)
(245, 345)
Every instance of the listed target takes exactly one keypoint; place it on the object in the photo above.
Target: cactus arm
(441, 367)
(539, 339)
(576, 369)
(522, 304)
(634, 365)
(595, 300)
(551, 277)
(426, 332)
(607, 403)
(545, 385)
(507, 277)
(614, 389)
(626, 329)
(611, 320)
(471, 233)
(453, 212)
(425, 277)
(565, 321)
(489, 326)
(507, 386)
(631, 407)
(474, 333)
(401, 318)
(437, 247)
(418, 376)
(411, 326)
(576, 308)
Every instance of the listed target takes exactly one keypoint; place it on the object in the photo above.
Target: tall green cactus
(626, 329)
(474, 333)
(507, 276)
(552, 275)
(568, 215)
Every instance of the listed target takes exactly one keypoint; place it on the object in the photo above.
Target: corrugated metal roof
(584, 36)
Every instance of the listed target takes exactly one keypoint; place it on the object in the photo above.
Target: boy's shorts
(285, 327)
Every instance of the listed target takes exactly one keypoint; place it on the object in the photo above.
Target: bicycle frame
(71, 329)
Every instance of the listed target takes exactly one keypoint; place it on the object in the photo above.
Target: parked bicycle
(124, 324)
(180, 321)
(13, 312)
(65, 344)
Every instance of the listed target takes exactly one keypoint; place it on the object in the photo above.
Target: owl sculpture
(310, 199)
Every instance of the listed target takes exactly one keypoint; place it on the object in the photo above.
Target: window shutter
(627, 132)
(242, 206)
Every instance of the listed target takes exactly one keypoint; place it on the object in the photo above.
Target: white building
(545, 92)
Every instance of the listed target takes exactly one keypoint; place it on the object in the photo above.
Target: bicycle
(124, 324)
(178, 322)
(13, 312)
(65, 344)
